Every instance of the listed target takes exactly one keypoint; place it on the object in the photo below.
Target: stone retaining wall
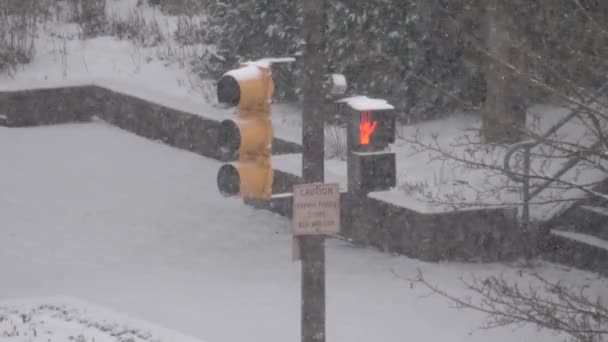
(574, 253)
(470, 235)
(473, 235)
(47, 106)
(150, 120)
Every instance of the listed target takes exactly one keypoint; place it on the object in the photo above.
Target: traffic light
(371, 129)
(247, 137)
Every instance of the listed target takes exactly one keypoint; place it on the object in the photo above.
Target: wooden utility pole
(312, 247)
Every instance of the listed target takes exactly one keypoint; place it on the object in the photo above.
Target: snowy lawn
(66, 319)
(92, 212)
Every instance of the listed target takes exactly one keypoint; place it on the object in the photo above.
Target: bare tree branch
(548, 305)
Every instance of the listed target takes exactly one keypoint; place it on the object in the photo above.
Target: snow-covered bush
(18, 30)
(90, 15)
(383, 47)
(424, 56)
(136, 27)
(191, 30)
(181, 7)
(16, 41)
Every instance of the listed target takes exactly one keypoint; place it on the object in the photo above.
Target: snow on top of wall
(584, 238)
(399, 198)
(366, 103)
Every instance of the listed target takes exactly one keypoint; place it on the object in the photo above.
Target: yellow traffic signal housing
(250, 88)
(249, 135)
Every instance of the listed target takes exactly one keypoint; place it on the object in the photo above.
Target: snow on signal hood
(251, 69)
(366, 103)
(249, 72)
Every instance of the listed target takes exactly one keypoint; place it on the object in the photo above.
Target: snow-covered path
(93, 212)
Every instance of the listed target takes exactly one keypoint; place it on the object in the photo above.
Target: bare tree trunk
(504, 113)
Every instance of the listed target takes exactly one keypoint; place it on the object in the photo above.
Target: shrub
(135, 27)
(191, 30)
(90, 15)
(182, 7)
(18, 31)
(422, 55)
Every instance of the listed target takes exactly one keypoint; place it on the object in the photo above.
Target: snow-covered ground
(92, 212)
(60, 319)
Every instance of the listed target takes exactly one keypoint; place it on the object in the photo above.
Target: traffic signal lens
(228, 90)
(229, 136)
(228, 180)
(366, 128)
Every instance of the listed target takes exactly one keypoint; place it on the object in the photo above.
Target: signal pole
(312, 247)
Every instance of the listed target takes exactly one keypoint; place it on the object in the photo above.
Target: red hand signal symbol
(366, 127)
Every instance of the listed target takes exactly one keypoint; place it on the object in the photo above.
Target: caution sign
(316, 209)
